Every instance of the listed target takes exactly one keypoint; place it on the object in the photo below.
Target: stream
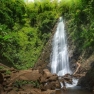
(73, 90)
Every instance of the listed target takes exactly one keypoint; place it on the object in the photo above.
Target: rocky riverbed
(32, 81)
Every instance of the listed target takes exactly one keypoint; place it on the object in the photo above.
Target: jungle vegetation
(26, 27)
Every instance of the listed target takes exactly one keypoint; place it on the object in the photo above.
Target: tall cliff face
(85, 58)
(44, 59)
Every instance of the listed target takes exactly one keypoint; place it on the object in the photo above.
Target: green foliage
(20, 83)
(80, 22)
(4, 33)
(11, 11)
(1, 67)
(4, 37)
(8, 72)
(25, 28)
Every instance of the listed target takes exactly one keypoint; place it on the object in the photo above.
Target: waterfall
(59, 56)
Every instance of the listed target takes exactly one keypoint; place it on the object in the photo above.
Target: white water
(59, 57)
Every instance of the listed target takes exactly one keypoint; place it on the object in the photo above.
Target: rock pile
(31, 81)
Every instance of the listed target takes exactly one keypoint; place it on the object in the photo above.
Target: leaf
(7, 37)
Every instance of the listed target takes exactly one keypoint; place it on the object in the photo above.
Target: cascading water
(59, 56)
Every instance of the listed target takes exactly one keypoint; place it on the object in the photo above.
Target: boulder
(32, 75)
(43, 88)
(42, 79)
(47, 73)
(58, 85)
(53, 78)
